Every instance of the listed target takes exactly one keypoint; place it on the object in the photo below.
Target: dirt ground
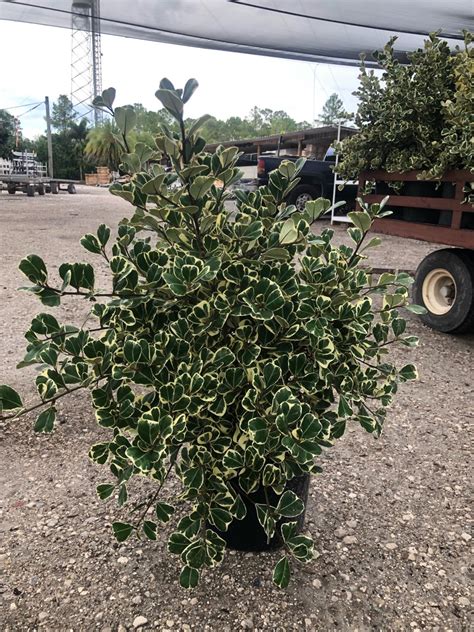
(390, 518)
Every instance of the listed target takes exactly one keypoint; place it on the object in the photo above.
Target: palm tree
(103, 145)
(78, 133)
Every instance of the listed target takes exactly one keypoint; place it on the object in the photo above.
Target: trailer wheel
(302, 194)
(41, 189)
(71, 188)
(11, 188)
(444, 285)
(30, 190)
(54, 188)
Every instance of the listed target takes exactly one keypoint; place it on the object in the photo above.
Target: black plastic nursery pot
(248, 534)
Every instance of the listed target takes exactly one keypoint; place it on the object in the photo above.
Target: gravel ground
(390, 518)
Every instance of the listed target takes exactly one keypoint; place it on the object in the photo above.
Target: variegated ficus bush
(230, 348)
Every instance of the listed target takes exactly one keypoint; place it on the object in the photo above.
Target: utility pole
(48, 134)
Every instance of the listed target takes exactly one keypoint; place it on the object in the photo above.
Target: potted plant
(230, 349)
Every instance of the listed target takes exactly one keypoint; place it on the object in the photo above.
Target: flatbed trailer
(31, 184)
(439, 212)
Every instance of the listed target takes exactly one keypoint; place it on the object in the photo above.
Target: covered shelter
(313, 142)
(334, 32)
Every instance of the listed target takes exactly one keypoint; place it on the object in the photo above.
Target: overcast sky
(36, 62)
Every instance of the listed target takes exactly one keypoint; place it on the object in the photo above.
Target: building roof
(313, 136)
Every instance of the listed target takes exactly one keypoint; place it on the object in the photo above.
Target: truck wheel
(30, 190)
(41, 189)
(11, 188)
(302, 194)
(444, 285)
(54, 187)
(71, 188)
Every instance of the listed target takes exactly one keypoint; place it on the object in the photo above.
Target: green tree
(77, 135)
(103, 146)
(7, 134)
(333, 111)
(63, 114)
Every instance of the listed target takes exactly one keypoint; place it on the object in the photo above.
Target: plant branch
(42, 403)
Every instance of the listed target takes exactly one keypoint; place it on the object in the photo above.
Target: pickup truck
(316, 180)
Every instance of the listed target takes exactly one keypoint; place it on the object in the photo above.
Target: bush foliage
(416, 116)
(232, 349)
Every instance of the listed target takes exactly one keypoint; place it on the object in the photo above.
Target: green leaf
(288, 232)
(149, 529)
(105, 491)
(416, 309)
(164, 511)
(373, 243)
(198, 123)
(361, 220)
(9, 398)
(290, 505)
(33, 267)
(103, 234)
(171, 102)
(315, 208)
(189, 577)
(189, 89)
(220, 518)
(108, 96)
(398, 326)
(344, 410)
(122, 530)
(281, 573)
(91, 243)
(126, 118)
(408, 372)
(45, 421)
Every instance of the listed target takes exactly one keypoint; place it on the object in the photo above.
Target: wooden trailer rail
(445, 220)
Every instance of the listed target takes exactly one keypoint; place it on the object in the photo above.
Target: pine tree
(333, 111)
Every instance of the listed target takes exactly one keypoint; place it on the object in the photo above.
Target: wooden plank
(458, 175)
(440, 204)
(425, 232)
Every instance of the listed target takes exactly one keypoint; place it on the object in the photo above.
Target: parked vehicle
(443, 214)
(316, 180)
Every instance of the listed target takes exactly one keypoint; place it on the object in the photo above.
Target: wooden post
(50, 142)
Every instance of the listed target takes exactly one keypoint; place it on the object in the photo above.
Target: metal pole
(335, 173)
(50, 141)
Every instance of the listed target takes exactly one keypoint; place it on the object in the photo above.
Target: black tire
(11, 189)
(54, 188)
(71, 188)
(444, 280)
(41, 189)
(30, 190)
(302, 194)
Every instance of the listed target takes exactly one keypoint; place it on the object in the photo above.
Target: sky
(230, 83)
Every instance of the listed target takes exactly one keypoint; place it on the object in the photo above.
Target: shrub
(417, 115)
(230, 349)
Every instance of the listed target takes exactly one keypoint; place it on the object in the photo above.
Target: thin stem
(43, 403)
(157, 493)
(71, 333)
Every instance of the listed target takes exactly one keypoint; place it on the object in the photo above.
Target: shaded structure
(330, 32)
(312, 143)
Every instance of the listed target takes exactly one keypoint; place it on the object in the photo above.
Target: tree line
(79, 148)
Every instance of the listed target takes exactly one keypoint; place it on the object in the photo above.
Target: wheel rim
(439, 291)
(301, 200)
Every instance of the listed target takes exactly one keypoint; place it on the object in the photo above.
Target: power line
(30, 110)
(25, 105)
